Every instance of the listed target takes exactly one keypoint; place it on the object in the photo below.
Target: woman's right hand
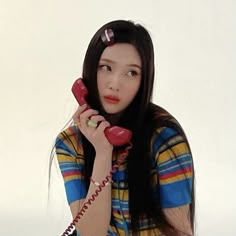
(95, 135)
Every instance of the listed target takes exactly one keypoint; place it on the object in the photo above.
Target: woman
(150, 192)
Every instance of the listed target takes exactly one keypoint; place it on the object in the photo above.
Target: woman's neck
(113, 118)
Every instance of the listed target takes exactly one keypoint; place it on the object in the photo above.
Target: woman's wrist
(103, 183)
(104, 152)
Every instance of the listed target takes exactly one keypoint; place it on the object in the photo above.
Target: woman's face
(118, 77)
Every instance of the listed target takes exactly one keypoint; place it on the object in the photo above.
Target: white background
(42, 45)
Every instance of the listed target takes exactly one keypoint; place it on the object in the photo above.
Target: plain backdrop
(42, 45)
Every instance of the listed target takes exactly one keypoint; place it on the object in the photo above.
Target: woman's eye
(132, 73)
(105, 67)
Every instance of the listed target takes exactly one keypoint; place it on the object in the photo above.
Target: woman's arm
(175, 173)
(96, 219)
(179, 218)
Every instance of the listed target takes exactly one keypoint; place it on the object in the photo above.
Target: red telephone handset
(116, 135)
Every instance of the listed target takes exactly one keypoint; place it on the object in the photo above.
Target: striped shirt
(171, 176)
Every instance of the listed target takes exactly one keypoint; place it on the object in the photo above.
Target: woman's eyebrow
(113, 62)
(135, 65)
(107, 60)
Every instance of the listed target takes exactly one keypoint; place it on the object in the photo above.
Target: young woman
(150, 190)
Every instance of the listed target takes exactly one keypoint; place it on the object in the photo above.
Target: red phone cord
(108, 179)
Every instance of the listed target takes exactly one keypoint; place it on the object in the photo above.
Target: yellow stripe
(177, 150)
(64, 158)
(122, 193)
(72, 177)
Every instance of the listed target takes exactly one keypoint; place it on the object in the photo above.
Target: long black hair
(134, 116)
(138, 114)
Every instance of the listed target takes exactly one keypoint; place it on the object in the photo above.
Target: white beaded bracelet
(97, 183)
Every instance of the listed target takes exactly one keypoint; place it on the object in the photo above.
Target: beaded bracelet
(97, 183)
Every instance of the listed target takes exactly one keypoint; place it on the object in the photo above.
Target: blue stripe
(69, 165)
(176, 168)
(175, 164)
(119, 176)
(176, 160)
(176, 194)
(75, 190)
(116, 204)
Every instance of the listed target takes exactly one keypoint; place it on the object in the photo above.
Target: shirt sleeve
(174, 168)
(71, 162)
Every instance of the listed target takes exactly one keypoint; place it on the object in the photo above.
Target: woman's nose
(114, 83)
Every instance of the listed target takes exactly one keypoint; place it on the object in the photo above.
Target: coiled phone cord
(107, 180)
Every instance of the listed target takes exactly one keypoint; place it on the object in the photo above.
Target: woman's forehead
(122, 52)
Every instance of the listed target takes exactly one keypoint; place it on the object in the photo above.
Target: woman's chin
(112, 110)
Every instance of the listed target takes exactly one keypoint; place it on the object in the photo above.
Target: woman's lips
(111, 99)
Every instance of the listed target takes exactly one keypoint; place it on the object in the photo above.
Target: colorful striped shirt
(171, 176)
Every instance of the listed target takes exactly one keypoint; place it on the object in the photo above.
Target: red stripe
(177, 172)
(76, 172)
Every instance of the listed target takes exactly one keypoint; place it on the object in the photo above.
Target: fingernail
(84, 105)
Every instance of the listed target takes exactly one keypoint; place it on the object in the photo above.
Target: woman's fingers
(102, 126)
(86, 115)
(80, 110)
(92, 125)
(82, 115)
(97, 119)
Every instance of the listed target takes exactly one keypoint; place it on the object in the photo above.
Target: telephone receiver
(116, 135)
